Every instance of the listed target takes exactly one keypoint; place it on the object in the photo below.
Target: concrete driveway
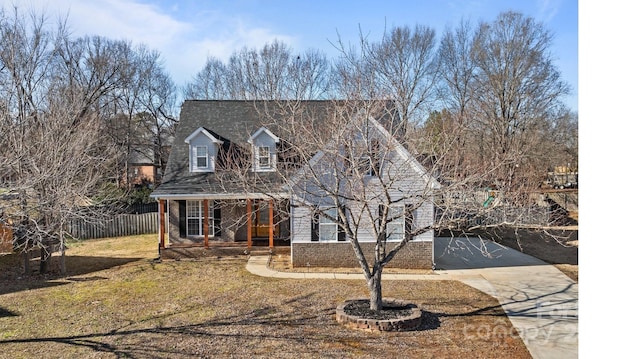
(541, 302)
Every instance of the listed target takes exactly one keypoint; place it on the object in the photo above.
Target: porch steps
(261, 251)
(184, 252)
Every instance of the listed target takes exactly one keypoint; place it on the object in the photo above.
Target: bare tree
(210, 83)
(357, 177)
(142, 118)
(406, 66)
(51, 148)
(159, 98)
(402, 66)
(456, 73)
(270, 73)
(519, 92)
(309, 76)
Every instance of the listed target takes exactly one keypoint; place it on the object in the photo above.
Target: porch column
(205, 225)
(249, 210)
(162, 228)
(270, 223)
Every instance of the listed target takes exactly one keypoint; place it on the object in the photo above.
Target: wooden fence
(119, 226)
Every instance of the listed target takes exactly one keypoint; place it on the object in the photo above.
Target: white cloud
(117, 19)
(184, 43)
(213, 35)
(548, 9)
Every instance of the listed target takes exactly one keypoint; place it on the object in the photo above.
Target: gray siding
(301, 224)
(405, 184)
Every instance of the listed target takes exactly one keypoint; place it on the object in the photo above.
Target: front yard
(118, 302)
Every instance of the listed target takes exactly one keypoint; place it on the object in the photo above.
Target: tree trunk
(45, 259)
(375, 288)
(63, 264)
(27, 257)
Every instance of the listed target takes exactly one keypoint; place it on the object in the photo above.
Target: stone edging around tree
(405, 323)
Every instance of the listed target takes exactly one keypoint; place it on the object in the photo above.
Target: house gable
(405, 180)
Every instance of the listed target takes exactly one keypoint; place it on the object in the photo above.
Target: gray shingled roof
(233, 122)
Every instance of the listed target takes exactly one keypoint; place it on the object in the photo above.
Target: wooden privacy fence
(118, 226)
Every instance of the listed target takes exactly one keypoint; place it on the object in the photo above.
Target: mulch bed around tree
(360, 308)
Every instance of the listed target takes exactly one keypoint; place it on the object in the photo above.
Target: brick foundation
(415, 255)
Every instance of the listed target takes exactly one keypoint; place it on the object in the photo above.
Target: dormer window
(203, 150)
(264, 148)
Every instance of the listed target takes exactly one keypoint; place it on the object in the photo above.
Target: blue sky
(186, 32)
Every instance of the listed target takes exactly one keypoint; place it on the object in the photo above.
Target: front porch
(223, 222)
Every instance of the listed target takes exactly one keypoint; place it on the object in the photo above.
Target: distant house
(224, 182)
(141, 167)
(6, 238)
(6, 230)
(144, 162)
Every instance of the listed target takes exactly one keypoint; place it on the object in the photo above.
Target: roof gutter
(233, 196)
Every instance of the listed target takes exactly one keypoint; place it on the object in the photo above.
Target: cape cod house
(232, 176)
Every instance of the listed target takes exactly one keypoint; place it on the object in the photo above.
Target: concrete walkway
(540, 301)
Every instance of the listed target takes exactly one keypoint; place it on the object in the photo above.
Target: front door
(261, 220)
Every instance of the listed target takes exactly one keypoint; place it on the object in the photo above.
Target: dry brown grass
(138, 308)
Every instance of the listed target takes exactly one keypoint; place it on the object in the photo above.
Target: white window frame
(365, 167)
(261, 156)
(396, 223)
(327, 225)
(199, 156)
(195, 212)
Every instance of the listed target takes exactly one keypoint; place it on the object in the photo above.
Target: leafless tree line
(72, 110)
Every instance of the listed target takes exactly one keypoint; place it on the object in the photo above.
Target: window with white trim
(396, 225)
(327, 228)
(264, 157)
(202, 160)
(195, 218)
(368, 163)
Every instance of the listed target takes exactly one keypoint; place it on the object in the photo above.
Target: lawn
(119, 302)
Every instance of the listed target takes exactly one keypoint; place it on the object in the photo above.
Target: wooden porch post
(162, 229)
(249, 210)
(205, 225)
(270, 223)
